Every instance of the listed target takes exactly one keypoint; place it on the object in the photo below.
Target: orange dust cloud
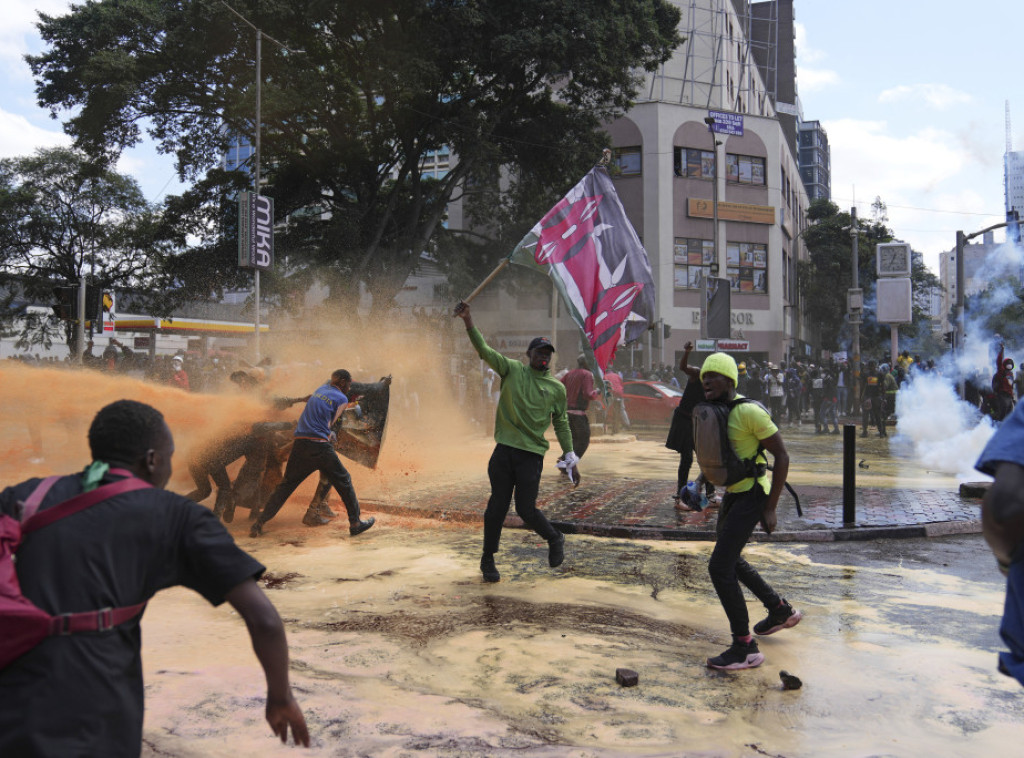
(47, 411)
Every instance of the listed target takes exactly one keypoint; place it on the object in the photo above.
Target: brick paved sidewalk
(643, 508)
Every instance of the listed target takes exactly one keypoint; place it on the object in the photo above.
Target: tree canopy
(60, 217)
(364, 93)
(827, 274)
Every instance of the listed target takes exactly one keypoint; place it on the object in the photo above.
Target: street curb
(628, 531)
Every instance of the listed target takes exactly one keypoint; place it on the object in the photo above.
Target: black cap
(537, 342)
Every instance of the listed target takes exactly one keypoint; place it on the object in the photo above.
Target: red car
(650, 402)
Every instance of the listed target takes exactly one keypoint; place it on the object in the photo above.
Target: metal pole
(554, 322)
(849, 474)
(961, 335)
(855, 347)
(256, 173)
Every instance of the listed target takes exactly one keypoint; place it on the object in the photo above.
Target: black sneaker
(783, 617)
(556, 551)
(742, 655)
(257, 529)
(360, 526)
(488, 569)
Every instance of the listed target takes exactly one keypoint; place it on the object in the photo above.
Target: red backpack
(23, 625)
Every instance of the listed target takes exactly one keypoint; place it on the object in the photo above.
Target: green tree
(827, 273)
(516, 91)
(60, 217)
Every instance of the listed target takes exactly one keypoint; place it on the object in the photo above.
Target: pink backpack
(23, 625)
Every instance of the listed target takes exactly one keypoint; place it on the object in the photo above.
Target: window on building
(747, 266)
(744, 169)
(436, 163)
(629, 161)
(693, 163)
(692, 259)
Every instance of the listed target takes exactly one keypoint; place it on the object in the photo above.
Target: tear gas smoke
(47, 411)
(948, 433)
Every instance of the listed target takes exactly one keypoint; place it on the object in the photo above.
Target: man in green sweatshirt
(530, 400)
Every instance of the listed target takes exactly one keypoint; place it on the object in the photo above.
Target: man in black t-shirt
(82, 694)
(680, 433)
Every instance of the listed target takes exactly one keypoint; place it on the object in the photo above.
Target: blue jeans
(739, 514)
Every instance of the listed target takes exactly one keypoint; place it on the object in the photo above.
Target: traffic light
(66, 308)
(667, 329)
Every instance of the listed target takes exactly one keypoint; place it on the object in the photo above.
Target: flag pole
(485, 282)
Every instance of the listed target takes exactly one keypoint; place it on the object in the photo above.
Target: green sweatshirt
(530, 401)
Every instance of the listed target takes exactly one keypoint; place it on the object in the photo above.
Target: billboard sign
(727, 123)
(255, 231)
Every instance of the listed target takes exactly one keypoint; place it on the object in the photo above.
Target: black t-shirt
(692, 394)
(82, 694)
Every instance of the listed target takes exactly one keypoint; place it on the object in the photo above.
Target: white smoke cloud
(948, 434)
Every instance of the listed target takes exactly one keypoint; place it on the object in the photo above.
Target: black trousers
(306, 457)
(579, 427)
(514, 473)
(739, 515)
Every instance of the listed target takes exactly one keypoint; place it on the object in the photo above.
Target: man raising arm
(530, 400)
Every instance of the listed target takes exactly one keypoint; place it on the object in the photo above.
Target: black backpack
(715, 455)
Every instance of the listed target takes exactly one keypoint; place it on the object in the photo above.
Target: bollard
(849, 475)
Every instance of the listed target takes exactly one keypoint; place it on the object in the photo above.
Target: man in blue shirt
(313, 451)
(1002, 522)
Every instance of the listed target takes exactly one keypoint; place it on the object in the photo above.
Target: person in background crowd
(1002, 387)
(794, 390)
(742, 379)
(842, 384)
(889, 389)
(829, 404)
(871, 400)
(815, 380)
(775, 383)
(616, 417)
(579, 391)
(680, 433)
(178, 377)
(755, 389)
(904, 361)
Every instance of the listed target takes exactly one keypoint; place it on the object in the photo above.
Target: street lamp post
(716, 266)
(260, 34)
(855, 304)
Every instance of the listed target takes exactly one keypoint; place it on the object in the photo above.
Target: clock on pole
(893, 259)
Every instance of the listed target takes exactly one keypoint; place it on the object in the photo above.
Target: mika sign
(255, 231)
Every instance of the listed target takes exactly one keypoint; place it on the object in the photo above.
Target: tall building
(238, 156)
(815, 161)
(717, 121)
(736, 67)
(1013, 177)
